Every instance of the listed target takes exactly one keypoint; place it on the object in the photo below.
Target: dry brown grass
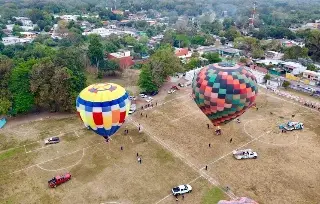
(287, 168)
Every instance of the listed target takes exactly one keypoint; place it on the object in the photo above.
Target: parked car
(56, 181)
(143, 95)
(182, 189)
(153, 93)
(245, 154)
(133, 98)
(133, 109)
(171, 91)
(52, 140)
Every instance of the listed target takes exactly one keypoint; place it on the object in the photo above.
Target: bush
(286, 84)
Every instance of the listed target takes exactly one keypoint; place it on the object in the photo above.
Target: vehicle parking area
(286, 170)
(174, 147)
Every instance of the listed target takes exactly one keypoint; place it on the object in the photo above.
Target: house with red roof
(123, 58)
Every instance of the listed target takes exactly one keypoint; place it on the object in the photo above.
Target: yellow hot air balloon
(103, 107)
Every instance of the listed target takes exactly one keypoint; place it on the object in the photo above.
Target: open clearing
(101, 172)
(287, 168)
(174, 149)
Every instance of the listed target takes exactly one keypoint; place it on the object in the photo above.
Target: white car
(182, 189)
(171, 91)
(149, 99)
(245, 154)
(132, 98)
(52, 140)
(143, 95)
(131, 111)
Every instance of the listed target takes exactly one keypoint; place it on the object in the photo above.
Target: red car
(54, 182)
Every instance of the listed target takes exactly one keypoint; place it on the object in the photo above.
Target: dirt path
(14, 121)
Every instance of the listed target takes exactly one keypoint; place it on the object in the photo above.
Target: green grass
(9, 153)
(213, 196)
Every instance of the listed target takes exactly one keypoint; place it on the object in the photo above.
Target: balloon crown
(226, 64)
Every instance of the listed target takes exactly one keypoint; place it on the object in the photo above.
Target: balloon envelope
(103, 107)
(224, 91)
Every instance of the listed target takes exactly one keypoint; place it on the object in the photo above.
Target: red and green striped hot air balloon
(224, 91)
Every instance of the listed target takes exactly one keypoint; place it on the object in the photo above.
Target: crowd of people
(302, 101)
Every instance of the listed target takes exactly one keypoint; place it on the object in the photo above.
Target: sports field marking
(75, 132)
(256, 138)
(183, 159)
(131, 139)
(177, 119)
(23, 169)
(167, 196)
(289, 144)
(39, 141)
(66, 168)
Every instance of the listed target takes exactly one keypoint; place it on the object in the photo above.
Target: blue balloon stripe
(89, 104)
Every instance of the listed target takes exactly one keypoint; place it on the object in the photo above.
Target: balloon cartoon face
(103, 107)
(224, 91)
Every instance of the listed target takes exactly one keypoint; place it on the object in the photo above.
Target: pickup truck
(57, 180)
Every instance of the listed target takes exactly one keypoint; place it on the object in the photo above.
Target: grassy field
(174, 150)
(101, 172)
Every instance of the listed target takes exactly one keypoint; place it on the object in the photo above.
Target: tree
(313, 44)
(248, 44)
(5, 95)
(40, 85)
(232, 33)
(193, 63)
(143, 39)
(110, 47)
(295, 52)
(227, 23)
(257, 53)
(19, 86)
(74, 59)
(16, 30)
(212, 57)
(198, 40)
(213, 28)
(286, 84)
(146, 80)
(267, 77)
(47, 28)
(164, 63)
(140, 48)
(63, 94)
(129, 40)
(95, 51)
(312, 67)
(243, 60)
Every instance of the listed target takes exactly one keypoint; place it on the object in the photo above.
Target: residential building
(206, 49)
(123, 58)
(293, 67)
(28, 34)
(229, 52)
(118, 12)
(69, 17)
(290, 43)
(311, 75)
(104, 32)
(183, 53)
(15, 40)
(25, 21)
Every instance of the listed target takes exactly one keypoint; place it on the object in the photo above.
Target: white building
(69, 17)
(311, 75)
(104, 32)
(293, 67)
(25, 21)
(15, 40)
